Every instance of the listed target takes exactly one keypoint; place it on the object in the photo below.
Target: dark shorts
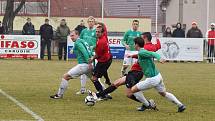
(101, 68)
(132, 78)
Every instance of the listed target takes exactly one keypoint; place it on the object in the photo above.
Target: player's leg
(83, 80)
(72, 73)
(169, 96)
(126, 62)
(111, 88)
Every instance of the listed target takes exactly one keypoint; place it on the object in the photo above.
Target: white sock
(103, 86)
(83, 81)
(173, 99)
(139, 96)
(63, 87)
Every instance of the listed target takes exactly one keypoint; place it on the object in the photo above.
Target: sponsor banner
(186, 49)
(20, 46)
(116, 47)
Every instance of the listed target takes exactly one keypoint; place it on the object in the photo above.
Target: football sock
(173, 99)
(123, 70)
(98, 85)
(134, 98)
(139, 96)
(107, 78)
(103, 86)
(108, 90)
(83, 81)
(63, 87)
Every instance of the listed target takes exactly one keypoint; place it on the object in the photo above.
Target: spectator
(1, 28)
(178, 32)
(211, 42)
(28, 28)
(194, 32)
(46, 33)
(167, 32)
(80, 27)
(62, 32)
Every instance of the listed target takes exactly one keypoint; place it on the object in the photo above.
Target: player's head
(82, 22)
(212, 26)
(135, 25)
(74, 35)
(99, 30)
(91, 21)
(147, 37)
(139, 43)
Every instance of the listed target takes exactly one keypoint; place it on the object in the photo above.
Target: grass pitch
(32, 82)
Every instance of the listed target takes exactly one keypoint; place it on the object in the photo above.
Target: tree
(10, 14)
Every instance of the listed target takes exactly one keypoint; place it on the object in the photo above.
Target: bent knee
(67, 77)
(162, 94)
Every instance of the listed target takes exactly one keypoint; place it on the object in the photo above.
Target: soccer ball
(90, 101)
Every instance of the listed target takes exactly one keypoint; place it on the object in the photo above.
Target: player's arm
(124, 40)
(145, 53)
(158, 45)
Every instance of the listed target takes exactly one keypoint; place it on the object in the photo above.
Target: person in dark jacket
(62, 32)
(1, 28)
(178, 32)
(46, 33)
(28, 28)
(167, 32)
(194, 32)
(80, 27)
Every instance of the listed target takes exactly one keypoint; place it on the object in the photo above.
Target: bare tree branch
(22, 3)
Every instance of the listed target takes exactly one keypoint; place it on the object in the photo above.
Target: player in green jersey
(128, 42)
(152, 75)
(83, 53)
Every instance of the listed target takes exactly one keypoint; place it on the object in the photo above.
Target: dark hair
(135, 21)
(46, 20)
(139, 41)
(101, 25)
(147, 35)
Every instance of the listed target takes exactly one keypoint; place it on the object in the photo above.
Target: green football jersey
(82, 51)
(89, 36)
(146, 62)
(129, 38)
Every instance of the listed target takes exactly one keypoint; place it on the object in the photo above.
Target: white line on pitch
(16, 120)
(25, 108)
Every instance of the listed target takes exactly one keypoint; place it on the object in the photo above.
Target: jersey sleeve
(145, 53)
(158, 45)
(125, 39)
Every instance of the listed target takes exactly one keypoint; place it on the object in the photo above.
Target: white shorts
(79, 70)
(153, 82)
(129, 61)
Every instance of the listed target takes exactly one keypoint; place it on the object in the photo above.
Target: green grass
(32, 81)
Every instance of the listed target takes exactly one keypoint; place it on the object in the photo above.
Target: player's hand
(90, 66)
(90, 60)
(128, 56)
(127, 47)
(162, 60)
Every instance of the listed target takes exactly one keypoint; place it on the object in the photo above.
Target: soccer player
(153, 76)
(83, 53)
(89, 36)
(103, 56)
(128, 42)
